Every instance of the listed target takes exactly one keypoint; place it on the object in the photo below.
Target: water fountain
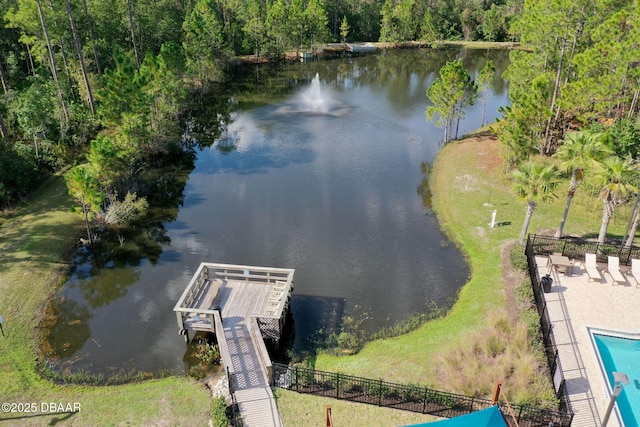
(314, 100)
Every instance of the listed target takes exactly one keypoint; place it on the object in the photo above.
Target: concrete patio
(575, 304)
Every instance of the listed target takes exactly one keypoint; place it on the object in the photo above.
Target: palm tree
(616, 178)
(580, 151)
(635, 214)
(534, 183)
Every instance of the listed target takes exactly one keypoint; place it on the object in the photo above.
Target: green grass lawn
(301, 410)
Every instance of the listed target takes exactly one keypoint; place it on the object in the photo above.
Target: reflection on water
(315, 101)
(343, 199)
(66, 320)
(424, 189)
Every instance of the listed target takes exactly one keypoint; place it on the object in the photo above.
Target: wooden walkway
(240, 304)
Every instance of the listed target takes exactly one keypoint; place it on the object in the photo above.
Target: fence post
(297, 383)
(424, 406)
(380, 393)
(519, 414)
(338, 385)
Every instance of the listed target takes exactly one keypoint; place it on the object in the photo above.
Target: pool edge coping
(594, 330)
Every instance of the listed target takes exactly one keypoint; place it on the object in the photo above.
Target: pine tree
(485, 82)
(450, 94)
(344, 29)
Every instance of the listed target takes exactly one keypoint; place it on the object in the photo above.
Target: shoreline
(35, 242)
(330, 51)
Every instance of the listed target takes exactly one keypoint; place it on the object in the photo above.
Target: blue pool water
(619, 354)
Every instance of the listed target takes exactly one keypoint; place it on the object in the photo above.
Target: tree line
(574, 88)
(579, 68)
(102, 83)
(574, 96)
(83, 78)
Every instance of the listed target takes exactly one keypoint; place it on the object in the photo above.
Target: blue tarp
(490, 417)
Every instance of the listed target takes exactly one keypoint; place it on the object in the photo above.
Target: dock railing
(249, 273)
(195, 307)
(185, 305)
(224, 351)
(261, 348)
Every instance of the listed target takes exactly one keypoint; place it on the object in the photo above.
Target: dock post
(181, 329)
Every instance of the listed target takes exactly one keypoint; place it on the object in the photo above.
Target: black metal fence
(542, 245)
(406, 397)
(575, 248)
(448, 405)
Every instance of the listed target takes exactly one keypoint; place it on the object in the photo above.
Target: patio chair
(613, 267)
(591, 265)
(635, 270)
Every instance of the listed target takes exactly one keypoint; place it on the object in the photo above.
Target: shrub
(524, 293)
(19, 173)
(517, 258)
(219, 412)
(208, 353)
(349, 342)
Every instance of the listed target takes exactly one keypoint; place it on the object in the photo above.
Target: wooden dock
(242, 305)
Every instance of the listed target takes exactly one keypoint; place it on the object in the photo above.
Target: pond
(321, 167)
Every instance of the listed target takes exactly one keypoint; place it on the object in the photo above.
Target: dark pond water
(327, 177)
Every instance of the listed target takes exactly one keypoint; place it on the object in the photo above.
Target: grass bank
(468, 183)
(35, 244)
(461, 181)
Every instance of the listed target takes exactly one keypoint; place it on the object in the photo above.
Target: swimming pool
(620, 352)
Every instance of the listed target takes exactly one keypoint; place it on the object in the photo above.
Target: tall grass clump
(499, 353)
